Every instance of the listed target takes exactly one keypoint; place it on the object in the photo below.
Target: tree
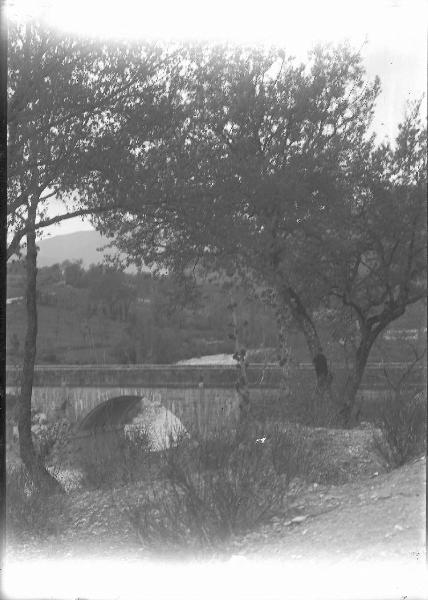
(109, 287)
(74, 273)
(261, 151)
(66, 99)
(269, 173)
(369, 250)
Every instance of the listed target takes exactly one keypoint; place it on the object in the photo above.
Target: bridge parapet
(184, 376)
(196, 394)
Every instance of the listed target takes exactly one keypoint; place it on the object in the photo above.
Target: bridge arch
(133, 415)
(116, 411)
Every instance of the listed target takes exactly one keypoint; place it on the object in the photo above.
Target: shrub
(294, 454)
(110, 458)
(31, 510)
(55, 445)
(402, 425)
(227, 484)
(124, 351)
(299, 403)
(50, 357)
(48, 437)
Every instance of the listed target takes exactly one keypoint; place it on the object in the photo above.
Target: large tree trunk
(3, 253)
(241, 364)
(31, 460)
(350, 410)
(350, 407)
(323, 409)
(323, 374)
(284, 358)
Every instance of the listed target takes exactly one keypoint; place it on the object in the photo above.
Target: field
(69, 334)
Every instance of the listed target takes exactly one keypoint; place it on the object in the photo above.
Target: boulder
(161, 426)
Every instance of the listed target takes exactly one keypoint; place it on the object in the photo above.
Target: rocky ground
(370, 515)
(374, 517)
(367, 512)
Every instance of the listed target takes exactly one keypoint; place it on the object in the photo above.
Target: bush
(402, 425)
(294, 454)
(224, 485)
(31, 510)
(55, 442)
(110, 458)
(50, 357)
(124, 351)
(299, 404)
(48, 437)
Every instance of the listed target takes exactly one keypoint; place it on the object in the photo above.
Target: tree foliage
(273, 173)
(66, 100)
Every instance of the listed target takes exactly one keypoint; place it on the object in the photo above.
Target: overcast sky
(390, 33)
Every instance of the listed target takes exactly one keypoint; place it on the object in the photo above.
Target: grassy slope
(68, 335)
(366, 514)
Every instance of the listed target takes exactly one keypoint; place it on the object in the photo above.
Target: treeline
(110, 291)
(161, 318)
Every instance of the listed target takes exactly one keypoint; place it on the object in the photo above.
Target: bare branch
(71, 215)
(42, 198)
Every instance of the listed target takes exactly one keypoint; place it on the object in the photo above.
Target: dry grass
(402, 429)
(227, 484)
(31, 510)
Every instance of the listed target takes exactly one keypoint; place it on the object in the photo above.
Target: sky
(390, 33)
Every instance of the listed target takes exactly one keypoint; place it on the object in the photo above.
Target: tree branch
(16, 240)
(77, 213)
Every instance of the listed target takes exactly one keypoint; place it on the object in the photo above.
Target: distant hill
(81, 245)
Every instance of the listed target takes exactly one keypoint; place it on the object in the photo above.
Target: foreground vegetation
(234, 163)
(199, 494)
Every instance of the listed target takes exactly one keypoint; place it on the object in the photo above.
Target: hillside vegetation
(103, 315)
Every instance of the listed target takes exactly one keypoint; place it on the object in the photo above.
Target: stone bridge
(197, 395)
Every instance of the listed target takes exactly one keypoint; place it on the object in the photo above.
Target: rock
(70, 479)
(299, 519)
(384, 495)
(237, 559)
(161, 425)
(380, 496)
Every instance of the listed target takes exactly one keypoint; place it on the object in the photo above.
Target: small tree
(369, 249)
(66, 99)
(73, 273)
(402, 422)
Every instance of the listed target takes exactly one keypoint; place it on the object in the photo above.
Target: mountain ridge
(87, 246)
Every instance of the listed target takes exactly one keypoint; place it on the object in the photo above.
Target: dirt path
(360, 540)
(379, 517)
(373, 517)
